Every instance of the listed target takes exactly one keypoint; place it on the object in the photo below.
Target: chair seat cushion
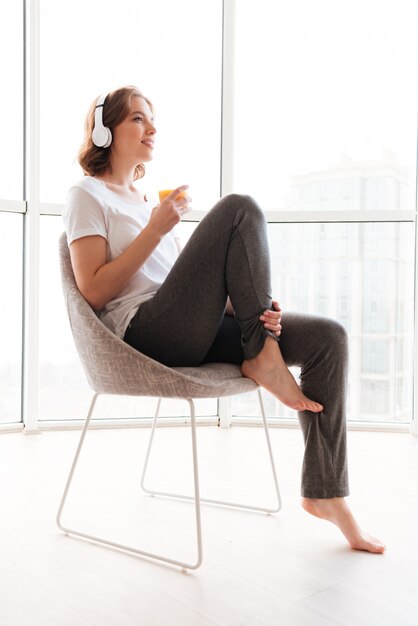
(225, 378)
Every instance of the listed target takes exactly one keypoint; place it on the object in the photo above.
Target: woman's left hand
(273, 318)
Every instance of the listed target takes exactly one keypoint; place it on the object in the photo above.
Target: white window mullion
(227, 138)
(31, 267)
(228, 89)
(414, 421)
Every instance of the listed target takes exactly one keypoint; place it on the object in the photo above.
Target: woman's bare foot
(336, 510)
(269, 370)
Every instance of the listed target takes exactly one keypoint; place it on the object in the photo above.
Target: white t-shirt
(93, 209)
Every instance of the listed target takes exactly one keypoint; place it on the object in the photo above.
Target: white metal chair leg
(151, 439)
(209, 500)
(273, 467)
(131, 549)
(74, 464)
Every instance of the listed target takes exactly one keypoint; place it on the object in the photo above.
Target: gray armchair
(114, 367)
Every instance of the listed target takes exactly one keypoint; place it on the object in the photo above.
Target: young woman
(209, 302)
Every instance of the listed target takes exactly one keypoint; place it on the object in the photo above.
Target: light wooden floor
(289, 569)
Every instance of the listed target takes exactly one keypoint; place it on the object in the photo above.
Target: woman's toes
(370, 544)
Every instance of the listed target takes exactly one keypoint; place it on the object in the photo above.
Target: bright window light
(11, 101)
(326, 104)
(360, 275)
(11, 254)
(170, 50)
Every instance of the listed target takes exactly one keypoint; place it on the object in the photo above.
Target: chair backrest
(110, 364)
(114, 367)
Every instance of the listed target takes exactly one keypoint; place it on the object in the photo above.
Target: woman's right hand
(168, 213)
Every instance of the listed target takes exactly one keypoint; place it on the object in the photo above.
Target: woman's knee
(335, 335)
(237, 202)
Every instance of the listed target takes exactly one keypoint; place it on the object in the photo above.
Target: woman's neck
(120, 176)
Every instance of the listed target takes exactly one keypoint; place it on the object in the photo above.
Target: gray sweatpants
(185, 324)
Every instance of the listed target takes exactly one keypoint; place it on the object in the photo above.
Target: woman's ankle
(269, 356)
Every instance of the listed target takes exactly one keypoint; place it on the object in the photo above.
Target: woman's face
(134, 137)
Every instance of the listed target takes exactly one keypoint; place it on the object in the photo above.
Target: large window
(326, 121)
(11, 101)
(313, 112)
(326, 103)
(170, 50)
(359, 274)
(10, 316)
(366, 288)
(11, 204)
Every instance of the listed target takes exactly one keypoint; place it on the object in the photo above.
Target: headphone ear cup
(101, 136)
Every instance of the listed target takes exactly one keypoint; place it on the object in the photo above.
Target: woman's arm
(100, 281)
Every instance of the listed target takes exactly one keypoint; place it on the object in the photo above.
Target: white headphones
(101, 135)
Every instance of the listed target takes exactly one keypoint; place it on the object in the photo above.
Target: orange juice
(163, 193)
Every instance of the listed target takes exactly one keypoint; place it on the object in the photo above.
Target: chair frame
(196, 498)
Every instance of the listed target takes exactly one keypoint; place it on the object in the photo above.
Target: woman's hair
(117, 106)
